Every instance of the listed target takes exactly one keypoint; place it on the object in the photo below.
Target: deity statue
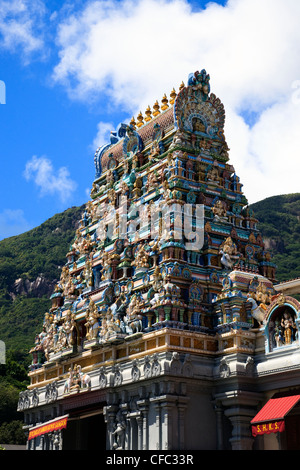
(229, 253)
(88, 273)
(106, 263)
(69, 289)
(67, 329)
(76, 380)
(119, 432)
(166, 190)
(110, 326)
(278, 334)
(152, 181)
(141, 257)
(87, 245)
(124, 188)
(64, 276)
(219, 210)
(154, 150)
(287, 323)
(91, 210)
(92, 321)
(133, 316)
(109, 178)
(213, 175)
(262, 295)
(111, 193)
(78, 241)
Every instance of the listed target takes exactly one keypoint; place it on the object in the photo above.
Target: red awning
(271, 417)
(50, 426)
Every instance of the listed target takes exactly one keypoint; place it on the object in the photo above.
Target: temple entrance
(280, 418)
(292, 436)
(85, 433)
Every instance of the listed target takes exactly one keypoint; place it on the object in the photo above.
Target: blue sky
(74, 70)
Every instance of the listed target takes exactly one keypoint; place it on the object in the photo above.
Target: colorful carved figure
(92, 321)
(257, 311)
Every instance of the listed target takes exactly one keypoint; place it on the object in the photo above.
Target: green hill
(279, 223)
(29, 266)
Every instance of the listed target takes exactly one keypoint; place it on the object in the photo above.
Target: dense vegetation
(41, 252)
(13, 378)
(279, 218)
(25, 258)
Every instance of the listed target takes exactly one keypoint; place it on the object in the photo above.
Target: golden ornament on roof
(148, 114)
(140, 119)
(164, 103)
(181, 86)
(173, 95)
(156, 109)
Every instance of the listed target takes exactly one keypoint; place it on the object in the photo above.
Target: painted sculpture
(130, 267)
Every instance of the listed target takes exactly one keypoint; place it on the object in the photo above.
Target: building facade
(167, 329)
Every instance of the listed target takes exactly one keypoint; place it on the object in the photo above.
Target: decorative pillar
(158, 426)
(168, 431)
(42, 442)
(144, 408)
(240, 407)
(132, 432)
(158, 423)
(181, 412)
(219, 416)
(128, 439)
(110, 412)
(139, 420)
(241, 434)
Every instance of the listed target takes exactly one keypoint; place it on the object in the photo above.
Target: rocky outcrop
(38, 288)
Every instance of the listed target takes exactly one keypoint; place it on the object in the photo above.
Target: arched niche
(282, 327)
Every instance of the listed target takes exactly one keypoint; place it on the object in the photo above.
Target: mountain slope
(279, 223)
(29, 267)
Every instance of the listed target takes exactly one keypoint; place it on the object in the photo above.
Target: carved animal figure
(257, 311)
(225, 260)
(133, 325)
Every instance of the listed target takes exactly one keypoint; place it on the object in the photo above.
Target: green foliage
(26, 256)
(13, 379)
(41, 250)
(279, 223)
(21, 320)
(12, 433)
(15, 369)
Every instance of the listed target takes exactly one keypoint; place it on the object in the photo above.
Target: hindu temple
(167, 328)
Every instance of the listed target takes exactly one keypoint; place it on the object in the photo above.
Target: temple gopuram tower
(162, 330)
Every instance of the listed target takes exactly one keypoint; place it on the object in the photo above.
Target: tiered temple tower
(161, 307)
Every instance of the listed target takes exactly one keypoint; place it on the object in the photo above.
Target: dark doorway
(292, 431)
(85, 433)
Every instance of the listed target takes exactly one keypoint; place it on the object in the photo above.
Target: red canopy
(271, 417)
(50, 426)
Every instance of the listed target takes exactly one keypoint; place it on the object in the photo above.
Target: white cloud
(131, 53)
(13, 222)
(21, 26)
(49, 180)
(103, 134)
